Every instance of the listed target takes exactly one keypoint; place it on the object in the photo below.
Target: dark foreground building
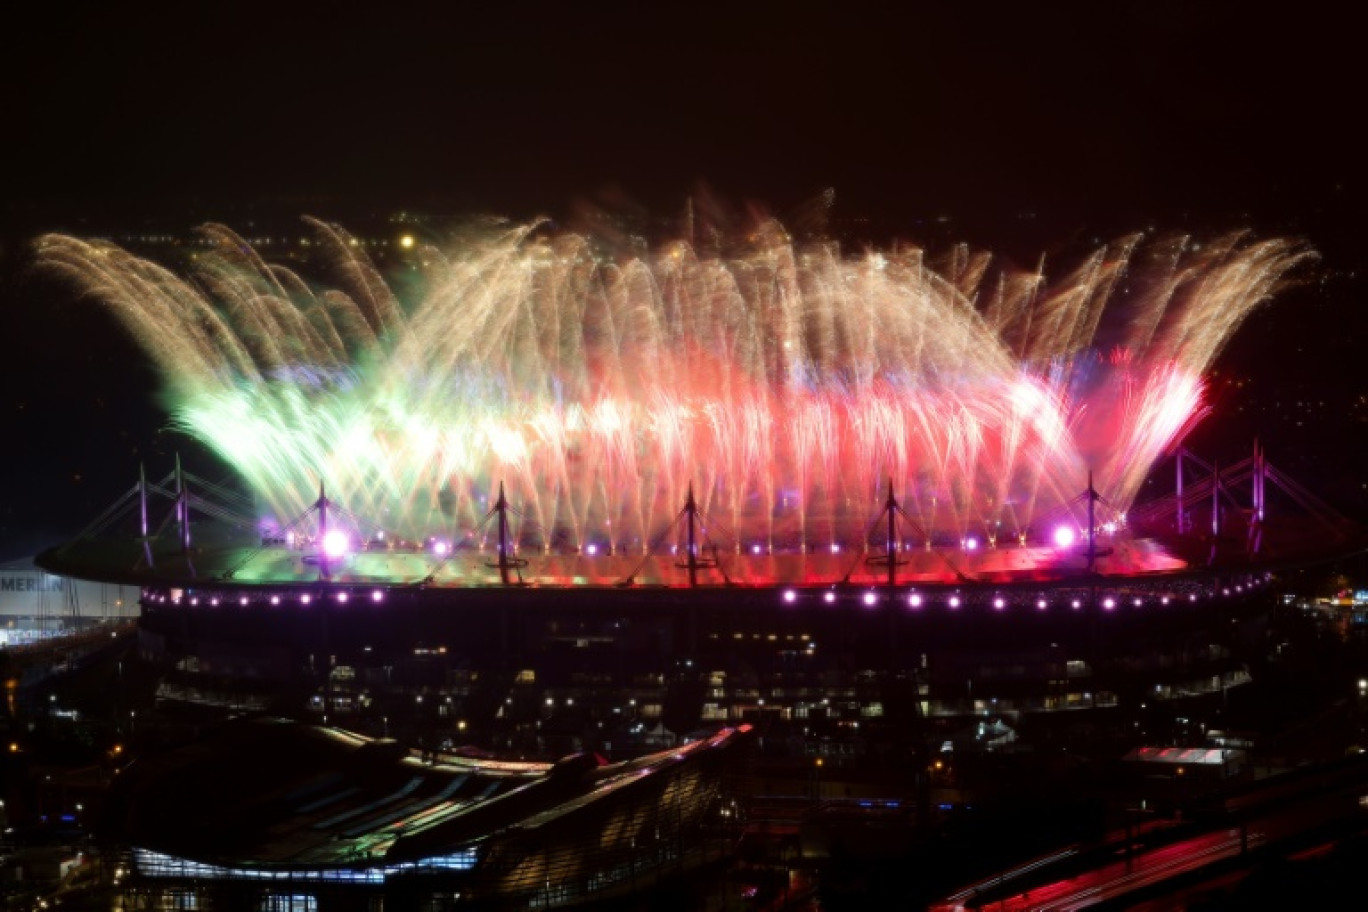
(265, 814)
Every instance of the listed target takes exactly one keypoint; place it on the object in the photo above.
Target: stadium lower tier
(819, 671)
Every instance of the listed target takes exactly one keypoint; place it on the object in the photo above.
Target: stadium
(619, 652)
(565, 495)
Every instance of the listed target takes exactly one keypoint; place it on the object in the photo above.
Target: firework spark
(786, 383)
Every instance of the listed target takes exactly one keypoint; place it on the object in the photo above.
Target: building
(273, 815)
(36, 605)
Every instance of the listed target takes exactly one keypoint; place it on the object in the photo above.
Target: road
(1275, 830)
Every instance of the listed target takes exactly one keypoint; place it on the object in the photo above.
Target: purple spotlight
(954, 601)
(335, 544)
(829, 597)
(790, 596)
(1075, 604)
(835, 548)
(377, 596)
(275, 600)
(1109, 603)
(440, 547)
(214, 601)
(1164, 600)
(1192, 597)
(342, 597)
(1041, 604)
(914, 600)
(1137, 603)
(591, 549)
(243, 601)
(1064, 536)
(999, 603)
(870, 598)
(970, 543)
(755, 549)
(305, 598)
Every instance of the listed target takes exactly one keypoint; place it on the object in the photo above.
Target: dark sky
(1029, 124)
(1108, 111)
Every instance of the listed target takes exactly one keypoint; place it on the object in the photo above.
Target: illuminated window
(275, 902)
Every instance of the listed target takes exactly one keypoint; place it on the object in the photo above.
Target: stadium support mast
(692, 563)
(322, 506)
(1182, 503)
(505, 562)
(1256, 513)
(691, 517)
(142, 501)
(1215, 500)
(182, 507)
(1258, 481)
(1215, 512)
(1092, 523)
(891, 507)
(142, 515)
(890, 559)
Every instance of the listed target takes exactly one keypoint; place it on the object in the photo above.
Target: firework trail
(787, 383)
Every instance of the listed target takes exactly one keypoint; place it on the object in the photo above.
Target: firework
(787, 384)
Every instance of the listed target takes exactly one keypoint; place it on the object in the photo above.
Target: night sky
(1031, 127)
